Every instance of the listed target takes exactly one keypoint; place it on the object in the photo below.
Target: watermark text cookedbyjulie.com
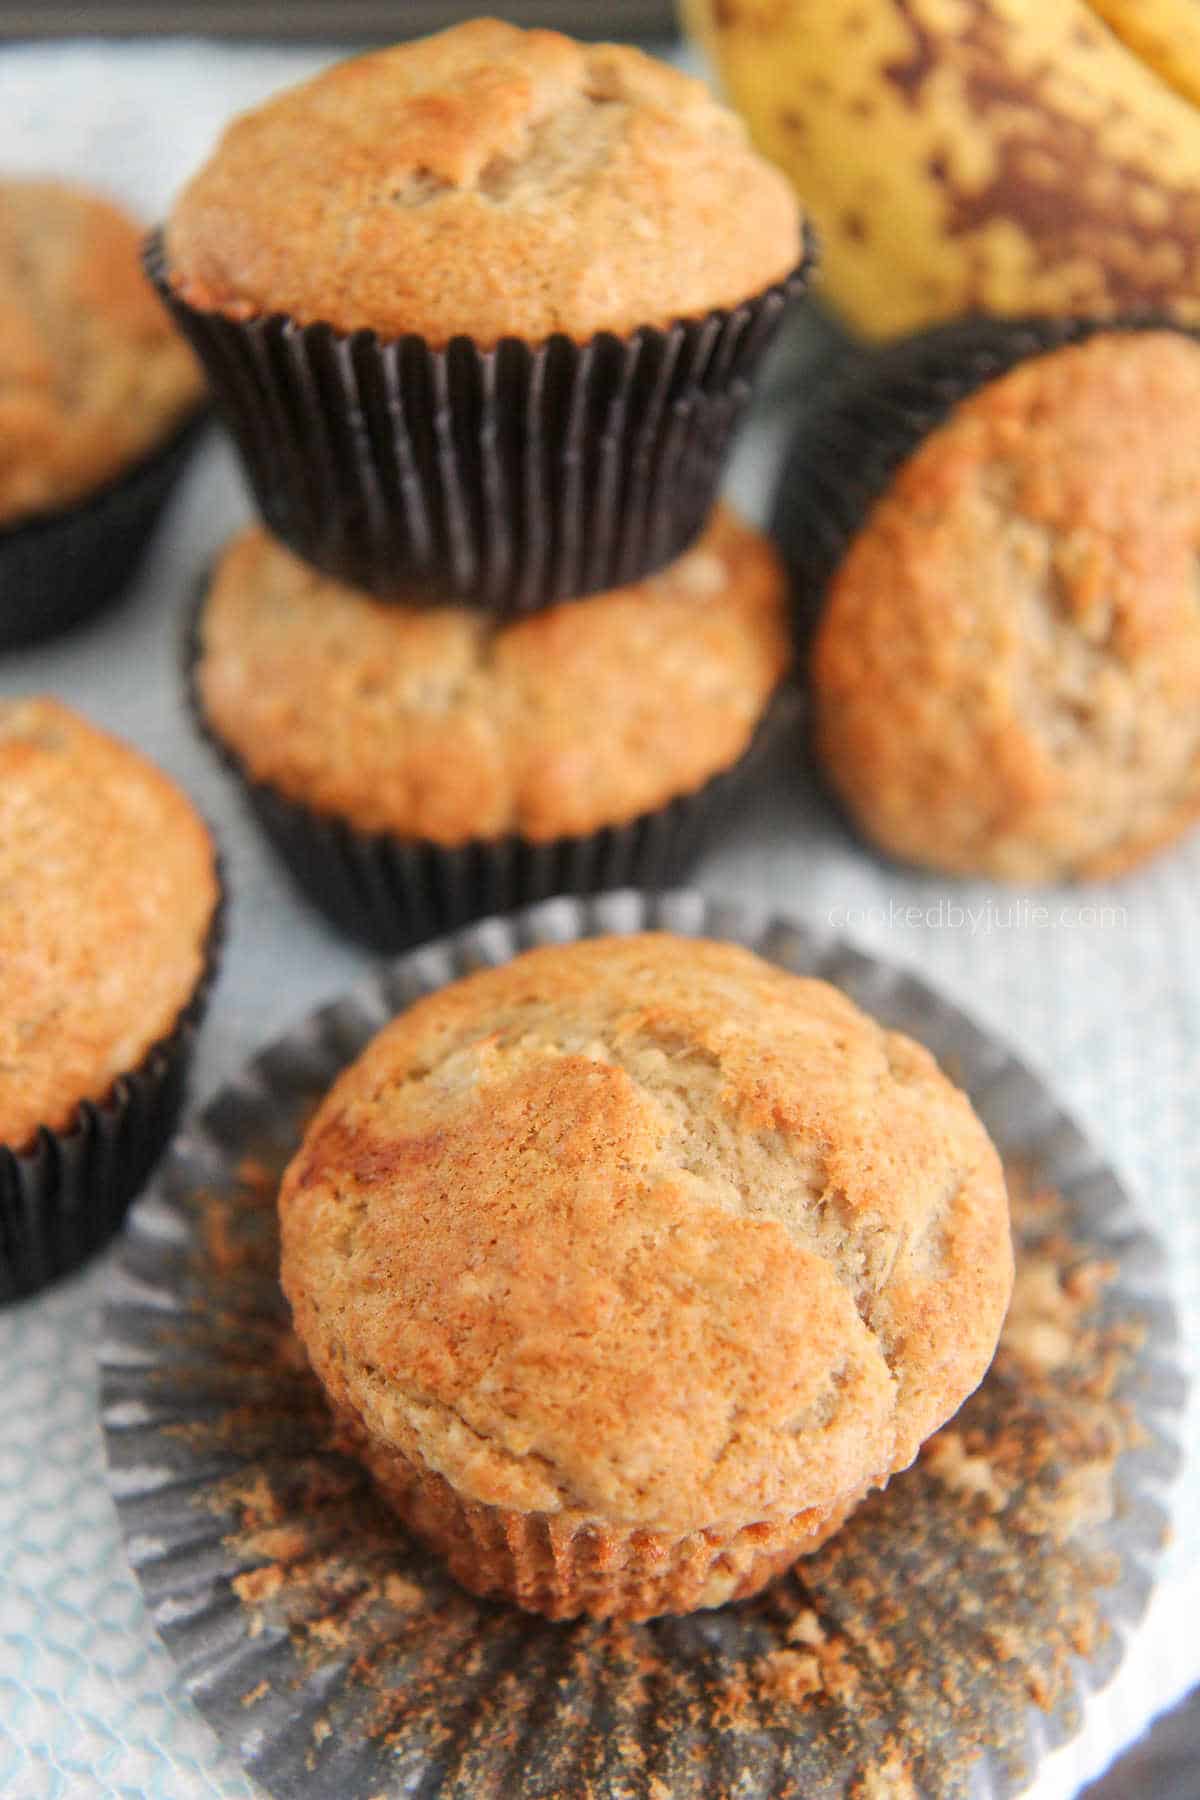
(983, 917)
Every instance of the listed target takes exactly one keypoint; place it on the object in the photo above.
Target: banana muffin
(514, 290)
(630, 1266)
(487, 182)
(1006, 672)
(436, 727)
(92, 375)
(106, 940)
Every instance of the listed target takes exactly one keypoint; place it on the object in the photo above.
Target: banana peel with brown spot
(999, 156)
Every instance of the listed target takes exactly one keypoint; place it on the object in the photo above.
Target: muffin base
(564, 1567)
(872, 415)
(60, 567)
(65, 1196)
(391, 892)
(509, 478)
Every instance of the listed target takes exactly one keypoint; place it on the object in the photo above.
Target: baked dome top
(108, 886)
(488, 182)
(92, 373)
(437, 723)
(1006, 675)
(647, 1230)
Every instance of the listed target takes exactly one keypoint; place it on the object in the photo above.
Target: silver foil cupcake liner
(60, 567)
(937, 1645)
(66, 1195)
(872, 413)
(390, 893)
(509, 478)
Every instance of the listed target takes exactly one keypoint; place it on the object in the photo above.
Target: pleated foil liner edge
(940, 1638)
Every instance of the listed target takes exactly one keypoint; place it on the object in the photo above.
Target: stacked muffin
(482, 312)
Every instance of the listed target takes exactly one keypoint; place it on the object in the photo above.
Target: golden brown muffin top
(647, 1230)
(436, 723)
(490, 182)
(91, 372)
(108, 886)
(1007, 674)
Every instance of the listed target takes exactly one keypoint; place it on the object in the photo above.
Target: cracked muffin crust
(437, 723)
(109, 886)
(1006, 676)
(92, 374)
(489, 182)
(631, 1265)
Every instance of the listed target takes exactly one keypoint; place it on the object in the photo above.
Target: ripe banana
(1164, 33)
(1003, 156)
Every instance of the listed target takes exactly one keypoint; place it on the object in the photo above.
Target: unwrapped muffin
(514, 287)
(107, 939)
(1006, 671)
(421, 766)
(95, 387)
(630, 1266)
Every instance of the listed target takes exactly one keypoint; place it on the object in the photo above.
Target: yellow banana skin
(1004, 156)
(1164, 33)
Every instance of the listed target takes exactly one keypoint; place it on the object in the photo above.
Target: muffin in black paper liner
(65, 1196)
(937, 1646)
(873, 412)
(391, 892)
(59, 567)
(509, 478)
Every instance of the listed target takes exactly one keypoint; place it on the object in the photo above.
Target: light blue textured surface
(1108, 1011)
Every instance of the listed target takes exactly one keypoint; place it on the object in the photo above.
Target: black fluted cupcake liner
(59, 567)
(63, 1198)
(509, 478)
(390, 892)
(873, 413)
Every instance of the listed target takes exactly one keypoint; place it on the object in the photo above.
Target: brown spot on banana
(1136, 252)
(910, 73)
(1014, 155)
